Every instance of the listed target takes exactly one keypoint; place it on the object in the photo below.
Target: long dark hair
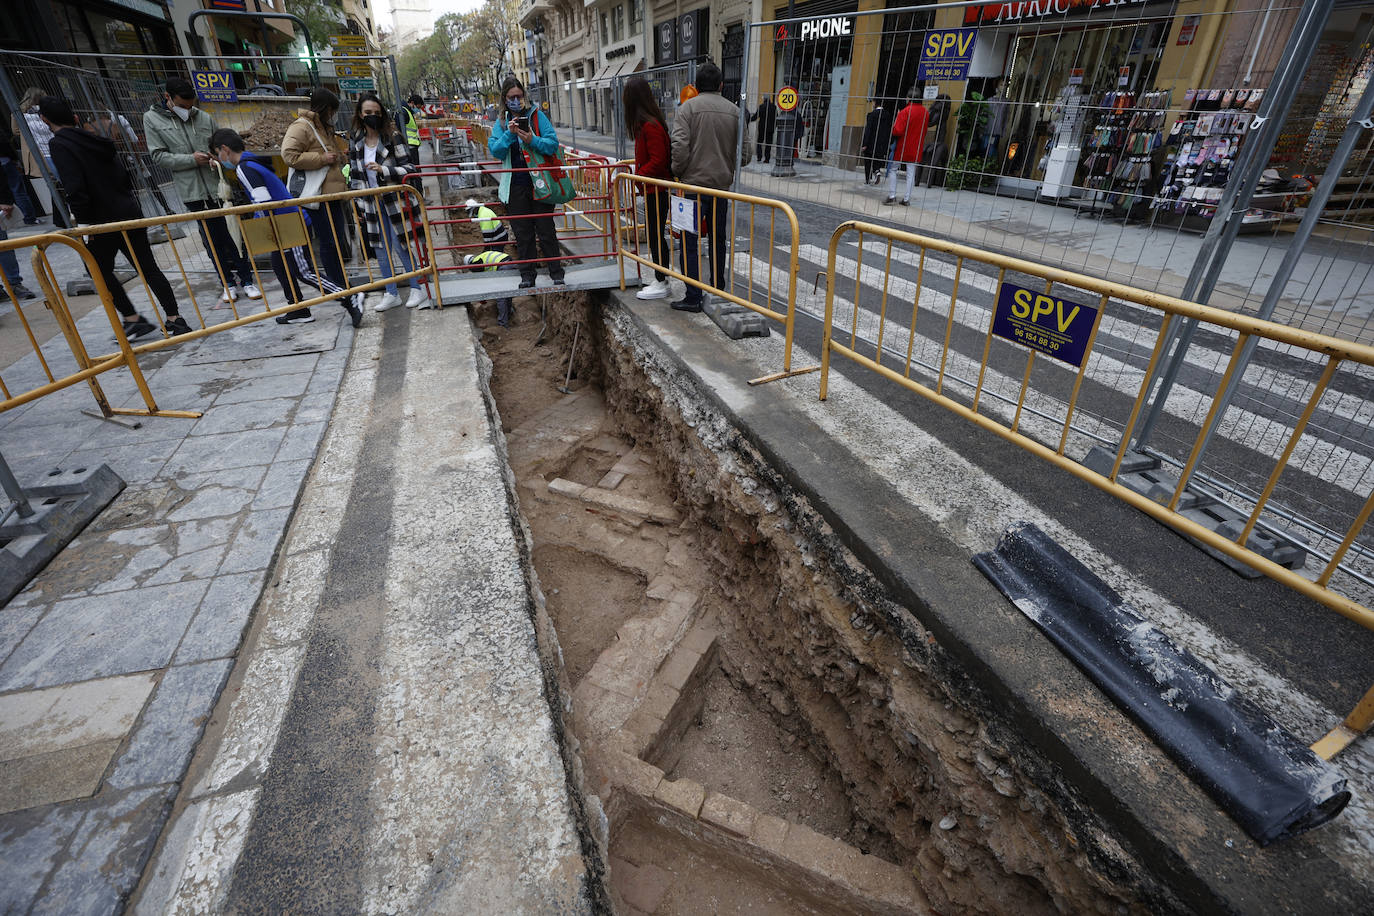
(388, 126)
(640, 105)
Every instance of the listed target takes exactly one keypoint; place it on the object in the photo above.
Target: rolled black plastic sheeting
(1268, 781)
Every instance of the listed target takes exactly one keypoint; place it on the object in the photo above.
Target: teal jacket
(171, 144)
(502, 140)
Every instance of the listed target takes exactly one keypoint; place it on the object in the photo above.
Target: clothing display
(1202, 145)
(1120, 154)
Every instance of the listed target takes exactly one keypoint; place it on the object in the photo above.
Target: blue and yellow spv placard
(1054, 326)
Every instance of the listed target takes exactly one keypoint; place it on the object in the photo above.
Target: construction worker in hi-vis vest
(494, 232)
(494, 260)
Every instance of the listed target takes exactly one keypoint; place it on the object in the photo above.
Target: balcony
(530, 10)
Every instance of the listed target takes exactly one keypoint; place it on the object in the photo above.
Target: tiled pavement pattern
(112, 659)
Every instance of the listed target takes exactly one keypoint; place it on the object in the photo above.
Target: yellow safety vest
(492, 259)
(493, 230)
(412, 129)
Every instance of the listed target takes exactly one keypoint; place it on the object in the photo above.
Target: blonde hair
(31, 97)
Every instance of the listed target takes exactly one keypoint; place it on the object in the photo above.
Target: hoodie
(92, 172)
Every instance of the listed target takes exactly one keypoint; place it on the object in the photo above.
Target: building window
(636, 16)
(618, 23)
(605, 35)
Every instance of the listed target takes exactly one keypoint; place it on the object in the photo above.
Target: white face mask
(183, 113)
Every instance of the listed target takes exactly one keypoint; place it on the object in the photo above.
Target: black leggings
(140, 254)
(527, 231)
(655, 212)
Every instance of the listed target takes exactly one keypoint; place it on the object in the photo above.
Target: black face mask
(373, 121)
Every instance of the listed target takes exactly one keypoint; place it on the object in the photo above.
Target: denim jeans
(388, 243)
(18, 188)
(9, 263)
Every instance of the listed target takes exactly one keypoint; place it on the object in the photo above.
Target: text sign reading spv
(1053, 326)
(214, 86)
(946, 55)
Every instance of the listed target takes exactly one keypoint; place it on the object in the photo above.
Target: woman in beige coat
(312, 143)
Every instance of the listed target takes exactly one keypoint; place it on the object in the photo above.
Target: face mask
(373, 121)
(515, 104)
(183, 113)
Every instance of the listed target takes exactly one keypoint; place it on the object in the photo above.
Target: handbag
(552, 183)
(307, 183)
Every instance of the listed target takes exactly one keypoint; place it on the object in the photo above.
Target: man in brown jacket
(705, 140)
(312, 143)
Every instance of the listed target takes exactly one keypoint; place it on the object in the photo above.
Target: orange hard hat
(688, 92)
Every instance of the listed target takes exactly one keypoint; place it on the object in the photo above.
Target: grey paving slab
(33, 841)
(107, 853)
(256, 541)
(218, 626)
(169, 728)
(232, 417)
(267, 338)
(265, 388)
(15, 623)
(215, 500)
(315, 406)
(282, 484)
(201, 533)
(199, 564)
(211, 374)
(227, 450)
(247, 477)
(102, 635)
(133, 463)
(140, 563)
(300, 442)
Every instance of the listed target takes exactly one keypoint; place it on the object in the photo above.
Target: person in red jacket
(909, 134)
(653, 158)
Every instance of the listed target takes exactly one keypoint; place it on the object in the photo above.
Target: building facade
(411, 21)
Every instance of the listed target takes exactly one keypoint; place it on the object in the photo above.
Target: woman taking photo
(378, 156)
(653, 156)
(517, 131)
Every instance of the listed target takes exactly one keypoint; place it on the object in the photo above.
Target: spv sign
(946, 55)
(1055, 327)
(214, 86)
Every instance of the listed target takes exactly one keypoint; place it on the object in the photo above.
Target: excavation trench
(766, 729)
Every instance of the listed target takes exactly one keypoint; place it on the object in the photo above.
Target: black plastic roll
(1267, 780)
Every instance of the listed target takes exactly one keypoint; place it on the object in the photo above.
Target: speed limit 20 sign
(787, 98)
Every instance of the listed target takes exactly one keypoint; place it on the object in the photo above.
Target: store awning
(605, 73)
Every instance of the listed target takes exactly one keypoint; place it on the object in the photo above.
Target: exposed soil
(655, 871)
(588, 600)
(737, 749)
(737, 745)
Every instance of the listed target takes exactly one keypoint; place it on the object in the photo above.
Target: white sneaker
(389, 301)
(229, 295)
(251, 291)
(417, 298)
(656, 290)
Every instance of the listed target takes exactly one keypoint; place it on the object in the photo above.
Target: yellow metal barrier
(177, 257)
(1335, 351)
(628, 186)
(88, 368)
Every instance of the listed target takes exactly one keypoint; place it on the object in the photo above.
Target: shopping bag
(552, 183)
(302, 183)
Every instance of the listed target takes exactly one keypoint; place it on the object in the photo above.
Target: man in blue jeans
(8, 262)
(14, 181)
(705, 139)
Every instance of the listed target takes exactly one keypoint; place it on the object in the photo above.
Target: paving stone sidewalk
(112, 659)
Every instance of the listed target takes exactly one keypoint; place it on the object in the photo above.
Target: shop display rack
(1120, 163)
(1202, 147)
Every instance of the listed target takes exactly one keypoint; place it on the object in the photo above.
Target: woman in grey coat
(378, 156)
